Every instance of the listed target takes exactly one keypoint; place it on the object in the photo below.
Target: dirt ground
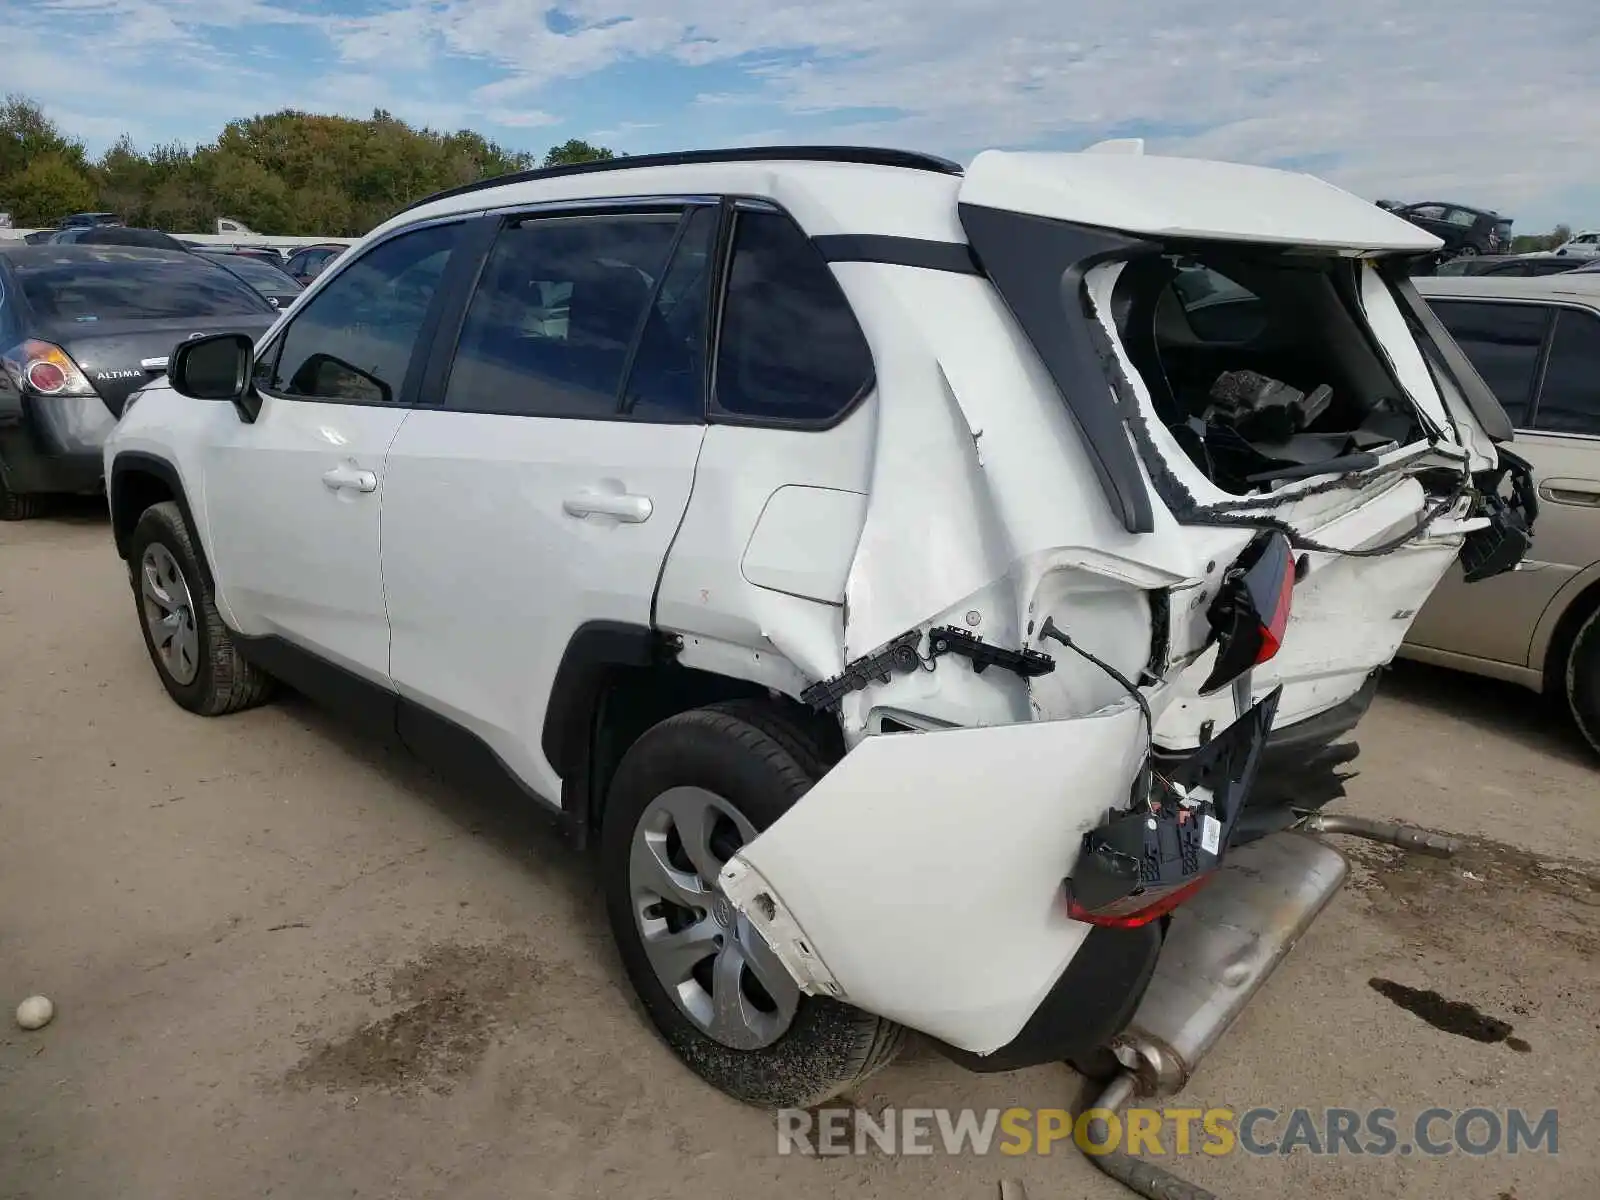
(287, 963)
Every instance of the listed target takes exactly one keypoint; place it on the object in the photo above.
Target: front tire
(686, 796)
(191, 648)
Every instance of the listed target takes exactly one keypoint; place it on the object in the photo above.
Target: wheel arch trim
(593, 651)
(130, 462)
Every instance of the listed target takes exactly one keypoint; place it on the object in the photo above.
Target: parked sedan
(276, 286)
(1581, 245)
(1463, 229)
(81, 327)
(1537, 344)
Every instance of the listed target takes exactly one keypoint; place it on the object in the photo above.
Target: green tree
(46, 190)
(576, 150)
(124, 178)
(286, 172)
(1531, 243)
(27, 134)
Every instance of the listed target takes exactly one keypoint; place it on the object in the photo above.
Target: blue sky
(1477, 100)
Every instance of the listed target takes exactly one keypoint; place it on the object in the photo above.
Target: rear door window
(667, 380)
(559, 306)
(355, 340)
(790, 350)
(1569, 398)
(113, 286)
(1503, 341)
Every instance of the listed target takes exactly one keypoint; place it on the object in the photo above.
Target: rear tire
(192, 650)
(1583, 679)
(20, 506)
(686, 795)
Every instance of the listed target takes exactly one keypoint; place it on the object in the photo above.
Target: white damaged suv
(912, 580)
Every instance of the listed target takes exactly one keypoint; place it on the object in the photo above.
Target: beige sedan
(1537, 343)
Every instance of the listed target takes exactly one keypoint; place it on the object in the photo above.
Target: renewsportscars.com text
(1375, 1132)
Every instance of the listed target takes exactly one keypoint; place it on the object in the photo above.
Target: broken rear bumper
(932, 877)
(921, 878)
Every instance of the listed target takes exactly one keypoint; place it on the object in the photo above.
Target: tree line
(286, 173)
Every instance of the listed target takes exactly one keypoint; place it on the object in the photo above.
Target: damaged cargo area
(1259, 365)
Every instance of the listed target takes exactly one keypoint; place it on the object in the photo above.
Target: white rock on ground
(35, 1012)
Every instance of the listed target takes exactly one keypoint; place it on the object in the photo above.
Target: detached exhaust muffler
(1222, 946)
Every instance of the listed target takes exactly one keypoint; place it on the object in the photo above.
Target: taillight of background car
(45, 369)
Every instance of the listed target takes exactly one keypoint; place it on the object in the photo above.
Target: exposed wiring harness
(1056, 634)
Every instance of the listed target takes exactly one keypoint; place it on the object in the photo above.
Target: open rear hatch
(1242, 350)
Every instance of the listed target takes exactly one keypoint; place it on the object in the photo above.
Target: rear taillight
(1251, 609)
(1139, 909)
(45, 369)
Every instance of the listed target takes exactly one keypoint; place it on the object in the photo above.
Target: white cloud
(1477, 99)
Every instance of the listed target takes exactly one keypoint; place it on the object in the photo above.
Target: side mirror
(212, 368)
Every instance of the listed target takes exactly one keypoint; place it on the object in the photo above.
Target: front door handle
(620, 506)
(349, 477)
(1570, 491)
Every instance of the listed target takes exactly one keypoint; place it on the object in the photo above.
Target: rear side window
(135, 287)
(558, 307)
(355, 339)
(790, 349)
(1569, 400)
(1503, 342)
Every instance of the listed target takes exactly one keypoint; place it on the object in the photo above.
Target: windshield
(130, 288)
(262, 276)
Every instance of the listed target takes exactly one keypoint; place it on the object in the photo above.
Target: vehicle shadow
(77, 510)
(525, 834)
(1496, 707)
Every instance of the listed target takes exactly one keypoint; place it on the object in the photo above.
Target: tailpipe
(1407, 837)
(1222, 946)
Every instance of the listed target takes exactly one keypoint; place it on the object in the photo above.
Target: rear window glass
(261, 275)
(136, 288)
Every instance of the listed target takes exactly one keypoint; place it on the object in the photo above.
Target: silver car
(1537, 344)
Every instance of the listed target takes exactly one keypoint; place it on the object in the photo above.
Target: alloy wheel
(169, 613)
(715, 965)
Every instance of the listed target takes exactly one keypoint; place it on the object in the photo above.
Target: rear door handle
(349, 477)
(621, 506)
(1570, 491)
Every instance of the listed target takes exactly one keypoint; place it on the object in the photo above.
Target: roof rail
(867, 155)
